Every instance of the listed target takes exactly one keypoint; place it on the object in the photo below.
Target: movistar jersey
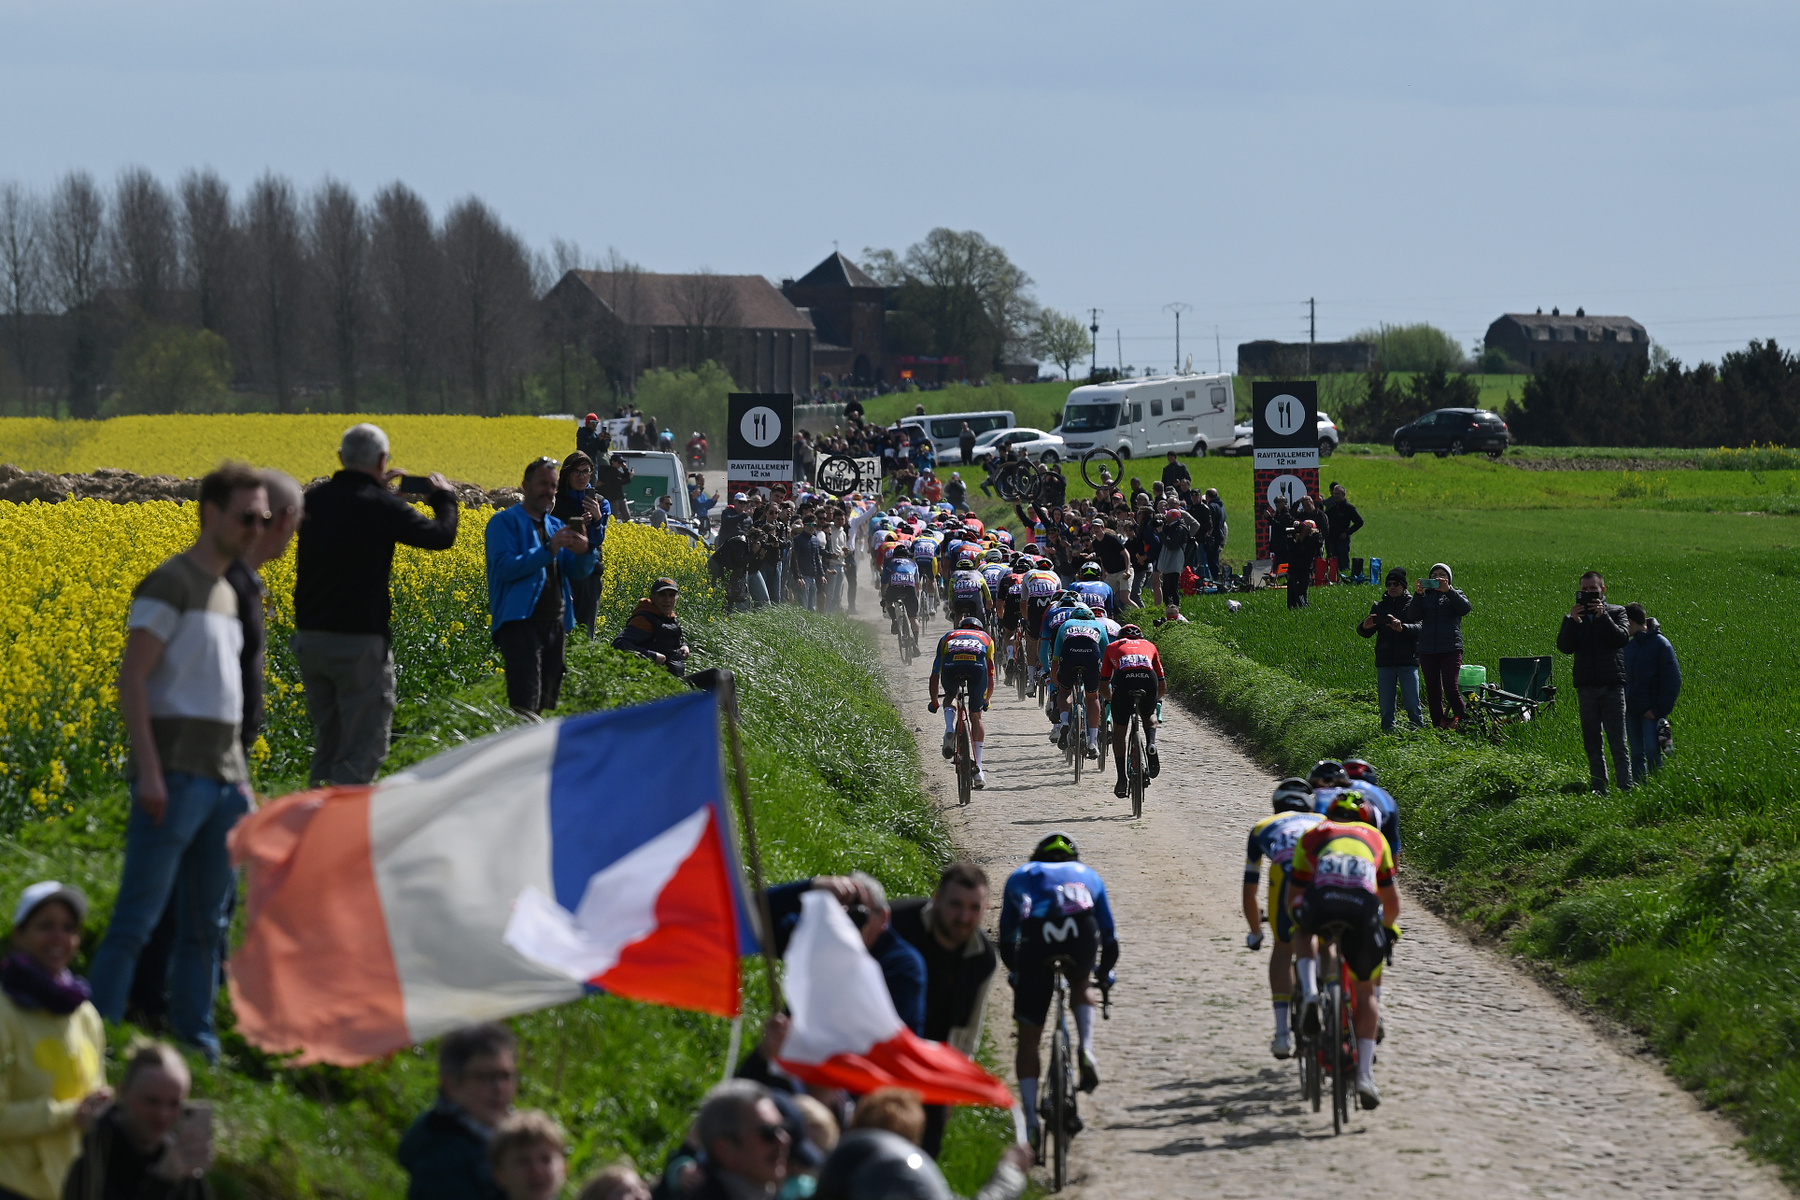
(1096, 593)
(1049, 890)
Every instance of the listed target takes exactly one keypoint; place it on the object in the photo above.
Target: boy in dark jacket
(1396, 651)
(1652, 684)
(1595, 633)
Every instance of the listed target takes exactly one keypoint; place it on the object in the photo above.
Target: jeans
(1646, 747)
(532, 654)
(809, 592)
(1406, 679)
(759, 588)
(1603, 711)
(586, 595)
(349, 682)
(183, 858)
(1440, 672)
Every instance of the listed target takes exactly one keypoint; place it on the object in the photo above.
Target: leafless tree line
(324, 299)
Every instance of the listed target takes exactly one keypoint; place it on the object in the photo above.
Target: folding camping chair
(1523, 692)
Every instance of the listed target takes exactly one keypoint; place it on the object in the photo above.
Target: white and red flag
(846, 1032)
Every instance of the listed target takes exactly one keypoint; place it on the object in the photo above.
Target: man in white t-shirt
(181, 695)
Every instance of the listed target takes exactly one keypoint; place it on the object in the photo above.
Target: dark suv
(1454, 431)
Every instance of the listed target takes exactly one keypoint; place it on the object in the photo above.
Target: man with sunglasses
(342, 608)
(181, 697)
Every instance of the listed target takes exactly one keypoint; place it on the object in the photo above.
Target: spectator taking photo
(1595, 633)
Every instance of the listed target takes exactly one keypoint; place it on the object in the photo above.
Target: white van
(945, 428)
(656, 473)
(1190, 414)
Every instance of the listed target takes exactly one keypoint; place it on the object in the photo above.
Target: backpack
(1175, 532)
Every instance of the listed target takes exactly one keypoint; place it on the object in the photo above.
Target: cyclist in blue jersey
(1055, 906)
(1329, 778)
(924, 553)
(1060, 609)
(1075, 653)
(1274, 838)
(1094, 589)
(900, 588)
(1364, 779)
(965, 654)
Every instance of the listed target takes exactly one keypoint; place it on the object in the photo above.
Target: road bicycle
(1076, 750)
(1136, 763)
(1332, 1052)
(965, 762)
(1057, 1108)
(909, 642)
(1105, 733)
(928, 601)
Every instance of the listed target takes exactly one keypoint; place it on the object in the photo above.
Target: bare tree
(975, 298)
(207, 245)
(619, 283)
(276, 277)
(75, 240)
(143, 246)
(407, 274)
(492, 300)
(22, 273)
(338, 250)
(707, 304)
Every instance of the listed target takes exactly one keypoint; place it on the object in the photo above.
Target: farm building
(849, 312)
(1532, 339)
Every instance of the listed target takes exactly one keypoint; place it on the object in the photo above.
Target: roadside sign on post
(759, 442)
(1285, 437)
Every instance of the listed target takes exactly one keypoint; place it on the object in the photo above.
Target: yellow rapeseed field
(490, 451)
(70, 569)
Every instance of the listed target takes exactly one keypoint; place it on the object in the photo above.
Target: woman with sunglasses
(577, 503)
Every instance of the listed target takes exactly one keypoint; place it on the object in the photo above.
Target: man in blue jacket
(865, 899)
(1652, 683)
(531, 557)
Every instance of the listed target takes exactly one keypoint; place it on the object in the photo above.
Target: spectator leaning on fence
(1596, 633)
(52, 1045)
(1652, 685)
(1437, 608)
(181, 696)
(445, 1151)
(342, 609)
(136, 1150)
(531, 560)
(1396, 651)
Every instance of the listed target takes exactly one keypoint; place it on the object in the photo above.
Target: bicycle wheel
(905, 636)
(965, 766)
(1309, 1071)
(1101, 456)
(1105, 734)
(1333, 1021)
(1021, 675)
(1056, 1130)
(1078, 729)
(1135, 771)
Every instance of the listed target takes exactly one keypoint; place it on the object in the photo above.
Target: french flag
(846, 1032)
(510, 874)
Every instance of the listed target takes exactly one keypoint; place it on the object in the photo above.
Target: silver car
(1241, 435)
(1034, 444)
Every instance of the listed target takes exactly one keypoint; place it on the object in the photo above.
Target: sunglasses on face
(255, 520)
(771, 1135)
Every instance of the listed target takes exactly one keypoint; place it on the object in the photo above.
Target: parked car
(1032, 443)
(1241, 436)
(1447, 431)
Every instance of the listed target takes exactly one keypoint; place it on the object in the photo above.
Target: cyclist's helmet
(1057, 847)
(971, 623)
(1350, 808)
(965, 561)
(995, 555)
(1357, 768)
(1043, 564)
(1328, 772)
(1090, 570)
(1130, 631)
(1293, 795)
(1020, 563)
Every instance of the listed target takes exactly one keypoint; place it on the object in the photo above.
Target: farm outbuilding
(1532, 339)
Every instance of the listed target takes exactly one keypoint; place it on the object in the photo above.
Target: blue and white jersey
(1096, 593)
(899, 571)
(1050, 890)
(1378, 797)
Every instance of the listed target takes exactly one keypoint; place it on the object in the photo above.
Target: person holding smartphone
(1437, 608)
(1396, 651)
(1595, 634)
(580, 506)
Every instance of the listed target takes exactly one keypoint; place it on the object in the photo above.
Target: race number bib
(1344, 870)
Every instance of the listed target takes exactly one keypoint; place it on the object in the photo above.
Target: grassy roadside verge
(1663, 909)
(831, 793)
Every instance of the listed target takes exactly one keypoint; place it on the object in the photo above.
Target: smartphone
(1432, 583)
(577, 523)
(1587, 598)
(415, 485)
(194, 1135)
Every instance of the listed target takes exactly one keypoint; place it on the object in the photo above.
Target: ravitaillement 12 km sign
(759, 437)
(1285, 434)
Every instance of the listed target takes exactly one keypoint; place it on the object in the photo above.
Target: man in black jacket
(1396, 651)
(342, 608)
(1345, 520)
(959, 965)
(654, 631)
(1596, 632)
(1175, 473)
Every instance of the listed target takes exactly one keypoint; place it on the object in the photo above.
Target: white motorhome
(1190, 414)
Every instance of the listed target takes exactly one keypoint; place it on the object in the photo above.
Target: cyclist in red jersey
(1132, 679)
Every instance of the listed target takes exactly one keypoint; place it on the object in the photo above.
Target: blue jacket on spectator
(902, 966)
(516, 562)
(1652, 676)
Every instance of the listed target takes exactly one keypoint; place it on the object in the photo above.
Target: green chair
(1523, 692)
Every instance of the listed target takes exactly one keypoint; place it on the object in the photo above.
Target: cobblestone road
(1490, 1085)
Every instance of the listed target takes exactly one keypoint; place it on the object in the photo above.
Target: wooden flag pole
(729, 695)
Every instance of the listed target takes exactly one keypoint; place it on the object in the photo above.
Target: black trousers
(533, 657)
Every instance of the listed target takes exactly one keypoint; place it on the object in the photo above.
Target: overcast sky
(1397, 161)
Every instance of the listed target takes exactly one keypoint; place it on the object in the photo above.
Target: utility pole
(1312, 330)
(1119, 348)
(1178, 307)
(1094, 342)
(1218, 353)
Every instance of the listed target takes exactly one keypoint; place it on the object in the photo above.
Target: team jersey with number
(925, 546)
(1096, 593)
(900, 571)
(969, 586)
(1050, 890)
(1041, 584)
(1012, 588)
(1274, 838)
(965, 648)
(995, 574)
(1079, 636)
(1132, 660)
(1053, 620)
(1351, 857)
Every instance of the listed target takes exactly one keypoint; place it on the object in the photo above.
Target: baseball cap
(740, 496)
(34, 897)
(592, 417)
(665, 584)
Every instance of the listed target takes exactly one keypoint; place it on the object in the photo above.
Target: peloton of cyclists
(965, 655)
(1055, 906)
(1132, 680)
(1075, 654)
(1274, 838)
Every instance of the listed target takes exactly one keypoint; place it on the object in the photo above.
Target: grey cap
(877, 893)
(39, 894)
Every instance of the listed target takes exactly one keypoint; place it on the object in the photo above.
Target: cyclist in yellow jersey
(1274, 838)
(1342, 873)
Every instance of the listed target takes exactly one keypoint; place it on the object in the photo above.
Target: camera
(859, 913)
(1432, 583)
(1586, 598)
